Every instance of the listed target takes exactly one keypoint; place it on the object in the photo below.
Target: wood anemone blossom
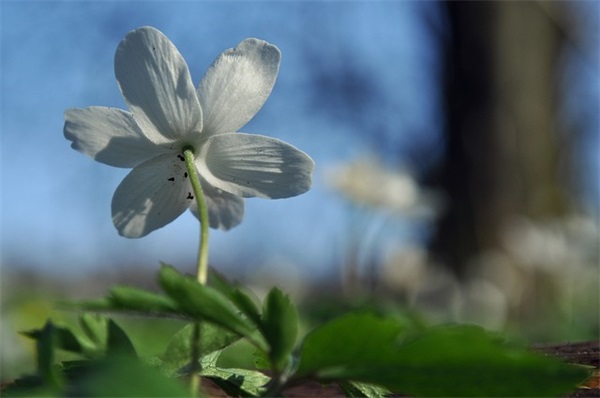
(168, 115)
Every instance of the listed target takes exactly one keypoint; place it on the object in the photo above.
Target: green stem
(195, 358)
(202, 265)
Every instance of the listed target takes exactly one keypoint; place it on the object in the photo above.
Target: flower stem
(202, 265)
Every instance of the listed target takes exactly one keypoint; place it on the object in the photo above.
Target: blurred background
(457, 148)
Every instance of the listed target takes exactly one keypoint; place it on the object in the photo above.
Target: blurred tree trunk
(501, 93)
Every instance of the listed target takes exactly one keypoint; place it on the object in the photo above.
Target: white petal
(152, 195)
(156, 84)
(110, 136)
(237, 85)
(254, 165)
(225, 210)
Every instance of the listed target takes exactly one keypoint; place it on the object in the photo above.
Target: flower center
(187, 147)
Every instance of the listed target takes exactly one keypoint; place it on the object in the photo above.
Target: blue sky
(57, 55)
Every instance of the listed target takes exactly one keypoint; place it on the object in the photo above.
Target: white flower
(167, 114)
(366, 181)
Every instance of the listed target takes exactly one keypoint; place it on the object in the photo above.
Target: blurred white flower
(367, 182)
(556, 243)
(410, 273)
(167, 115)
(542, 268)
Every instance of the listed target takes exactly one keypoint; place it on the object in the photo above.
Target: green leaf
(134, 299)
(62, 338)
(118, 342)
(95, 328)
(125, 376)
(219, 281)
(280, 327)
(201, 302)
(361, 390)
(246, 304)
(441, 361)
(353, 340)
(261, 360)
(212, 338)
(46, 342)
(128, 299)
(241, 299)
(468, 361)
(210, 360)
(237, 382)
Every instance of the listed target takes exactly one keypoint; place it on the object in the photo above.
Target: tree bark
(502, 141)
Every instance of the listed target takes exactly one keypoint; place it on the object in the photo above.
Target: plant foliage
(367, 355)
